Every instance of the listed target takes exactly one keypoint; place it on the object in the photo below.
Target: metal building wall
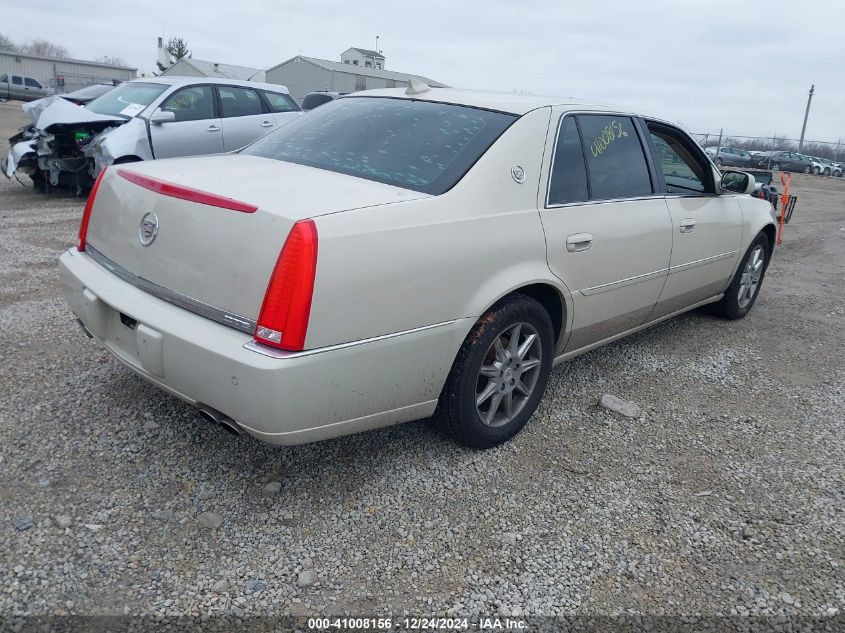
(301, 78)
(76, 74)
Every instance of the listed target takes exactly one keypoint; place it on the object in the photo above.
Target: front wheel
(809, 169)
(499, 375)
(745, 286)
(775, 166)
(720, 162)
(827, 171)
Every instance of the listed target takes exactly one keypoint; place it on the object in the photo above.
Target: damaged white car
(162, 117)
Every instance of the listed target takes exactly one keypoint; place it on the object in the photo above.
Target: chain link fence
(831, 150)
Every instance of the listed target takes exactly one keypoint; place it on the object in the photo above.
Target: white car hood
(52, 110)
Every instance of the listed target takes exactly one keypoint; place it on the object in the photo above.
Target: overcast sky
(743, 65)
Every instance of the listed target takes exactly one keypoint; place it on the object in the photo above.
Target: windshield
(417, 145)
(127, 100)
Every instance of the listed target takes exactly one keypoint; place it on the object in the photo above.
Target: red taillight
(86, 215)
(186, 193)
(283, 320)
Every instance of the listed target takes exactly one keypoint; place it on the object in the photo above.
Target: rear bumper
(280, 399)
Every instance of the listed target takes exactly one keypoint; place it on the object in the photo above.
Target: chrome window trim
(236, 321)
(613, 285)
(546, 204)
(280, 354)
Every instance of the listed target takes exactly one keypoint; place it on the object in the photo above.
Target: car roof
(512, 102)
(185, 81)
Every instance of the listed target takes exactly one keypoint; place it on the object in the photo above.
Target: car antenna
(416, 87)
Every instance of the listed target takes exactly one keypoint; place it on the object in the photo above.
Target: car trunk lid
(203, 255)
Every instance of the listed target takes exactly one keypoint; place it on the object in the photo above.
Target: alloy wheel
(751, 275)
(508, 374)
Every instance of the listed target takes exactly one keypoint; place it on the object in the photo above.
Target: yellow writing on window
(611, 132)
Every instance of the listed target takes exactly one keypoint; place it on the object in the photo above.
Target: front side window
(279, 102)
(682, 170)
(419, 145)
(568, 181)
(191, 104)
(4, 78)
(29, 81)
(616, 164)
(127, 100)
(239, 101)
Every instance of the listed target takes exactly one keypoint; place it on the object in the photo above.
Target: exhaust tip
(221, 419)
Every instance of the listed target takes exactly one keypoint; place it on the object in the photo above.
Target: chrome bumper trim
(196, 306)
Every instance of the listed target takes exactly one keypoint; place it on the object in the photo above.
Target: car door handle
(212, 128)
(687, 225)
(579, 242)
(267, 124)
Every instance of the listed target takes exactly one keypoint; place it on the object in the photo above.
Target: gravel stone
(272, 488)
(62, 521)
(210, 520)
(254, 587)
(23, 523)
(307, 578)
(150, 426)
(221, 586)
(620, 406)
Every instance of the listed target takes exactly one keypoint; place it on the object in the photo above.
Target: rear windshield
(127, 100)
(417, 145)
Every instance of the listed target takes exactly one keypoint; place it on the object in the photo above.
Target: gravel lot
(726, 497)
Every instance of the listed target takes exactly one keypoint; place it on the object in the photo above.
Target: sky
(741, 65)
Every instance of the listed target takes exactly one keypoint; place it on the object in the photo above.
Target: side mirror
(163, 116)
(737, 182)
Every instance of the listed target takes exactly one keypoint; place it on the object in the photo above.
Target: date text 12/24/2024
(417, 624)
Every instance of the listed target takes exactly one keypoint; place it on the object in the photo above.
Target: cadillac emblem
(149, 229)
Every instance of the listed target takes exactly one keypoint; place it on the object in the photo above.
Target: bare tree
(176, 48)
(44, 48)
(7, 44)
(114, 60)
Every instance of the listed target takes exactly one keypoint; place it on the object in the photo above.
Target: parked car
(729, 156)
(816, 163)
(397, 254)
(22, 88)
(143, 119)
(828, 167)
(318, 98)
(87, 94)
(788, 161)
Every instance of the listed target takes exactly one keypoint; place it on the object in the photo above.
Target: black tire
(720, 162)
(729, 306)
(775, 166)
(827, 171)
(456, 412)
(808, 170)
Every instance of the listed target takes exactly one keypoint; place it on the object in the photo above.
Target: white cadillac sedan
(395, 255)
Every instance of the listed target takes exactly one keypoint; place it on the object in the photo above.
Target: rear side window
(280, 103)
(419, 145)
(17, 80)
(315, 99)
(239, 101)
(568, 182)
(616, 164)
(29, 81)
(191, 104)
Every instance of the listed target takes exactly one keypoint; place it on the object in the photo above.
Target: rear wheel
(719, 162)
(827, 171)
(742, 293)
(499, 375)
(775, 166)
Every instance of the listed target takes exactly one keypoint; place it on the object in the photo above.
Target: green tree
(176, 48)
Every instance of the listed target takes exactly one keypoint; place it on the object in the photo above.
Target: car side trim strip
(613, 285)
(196, 306)
(272, 352)
(700, 262)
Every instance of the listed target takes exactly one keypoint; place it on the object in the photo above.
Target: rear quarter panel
(397, 267)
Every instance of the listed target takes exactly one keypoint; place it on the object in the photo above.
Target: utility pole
(806, 114)
(377, 50)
